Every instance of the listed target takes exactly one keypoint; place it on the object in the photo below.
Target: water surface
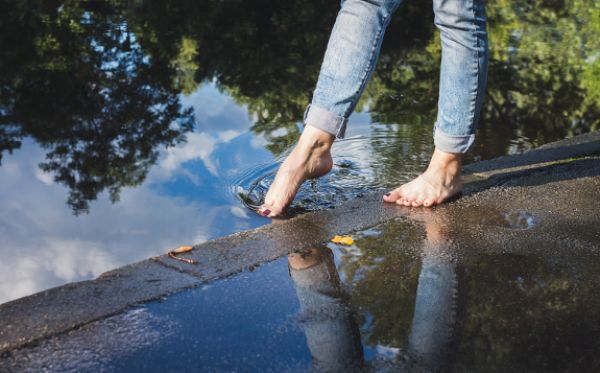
(130, 128)
(405, 296)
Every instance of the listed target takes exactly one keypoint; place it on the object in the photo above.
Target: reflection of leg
(351, 55)
(331, 332)
(435, 321)
(434, 317)
(462, 26)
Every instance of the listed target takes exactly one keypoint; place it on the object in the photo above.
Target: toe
(428, 202)
(392, 196)
(269, 211)
(264, 211)
(417, 203)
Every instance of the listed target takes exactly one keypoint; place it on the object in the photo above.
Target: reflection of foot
(311, 158)
(439, 183)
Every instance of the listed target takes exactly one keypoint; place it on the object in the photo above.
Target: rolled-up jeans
(353, 50)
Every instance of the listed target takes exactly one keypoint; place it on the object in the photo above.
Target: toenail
(388, 194)
(265, 213)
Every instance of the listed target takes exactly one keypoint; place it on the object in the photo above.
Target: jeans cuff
(452, 144)
(325, 121)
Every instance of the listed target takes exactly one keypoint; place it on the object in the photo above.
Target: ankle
(316, 140)
(447, 164)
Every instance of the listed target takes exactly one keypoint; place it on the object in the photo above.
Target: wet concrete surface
(524, 242)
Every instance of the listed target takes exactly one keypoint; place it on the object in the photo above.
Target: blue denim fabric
(434, 318)
(353, 50)
(331, 333)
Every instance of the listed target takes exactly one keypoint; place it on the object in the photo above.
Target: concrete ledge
(63, 308)
(27, 320)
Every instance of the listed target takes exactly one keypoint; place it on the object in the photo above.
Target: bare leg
(462, 25)
(349, 61)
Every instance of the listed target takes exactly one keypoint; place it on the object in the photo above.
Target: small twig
(180, 250)
(185, 260)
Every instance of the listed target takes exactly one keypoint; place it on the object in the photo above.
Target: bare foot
(311, 158)
(440, 182)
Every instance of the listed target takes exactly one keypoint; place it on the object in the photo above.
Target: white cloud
(228, 135)
(239, 212)
(258, 142)
(44, 177)
(198, 146)
(43, 245)
(387, 351)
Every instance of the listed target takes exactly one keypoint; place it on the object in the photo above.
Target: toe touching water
(310, 159)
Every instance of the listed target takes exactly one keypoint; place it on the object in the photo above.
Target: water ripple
(361, 164)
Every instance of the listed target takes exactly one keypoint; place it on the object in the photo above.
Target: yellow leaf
(344, 240)
(182, 249)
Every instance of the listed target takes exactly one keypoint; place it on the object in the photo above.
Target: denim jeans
(353, 50)
(331, 332)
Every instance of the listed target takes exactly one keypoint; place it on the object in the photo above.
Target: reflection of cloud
(259, 142)
(43, 245)
(44, 177)
(239, 212)
(198, 146)
(387, 351)
(215, 111)
(228, 135)
(56, 258)
(218, 119)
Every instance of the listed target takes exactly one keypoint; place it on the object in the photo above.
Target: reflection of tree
(76, 82)
(538, 68)
(97, 84)
(533, 314)
(542, 80)
(385, 284)
(525, 313)
(542, 84)
(266, 54)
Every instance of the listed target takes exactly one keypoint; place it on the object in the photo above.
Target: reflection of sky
(182, 201)
(185, 199)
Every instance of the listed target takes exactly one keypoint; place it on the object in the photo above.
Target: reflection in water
(44, 245)
(97, 97)
(77, 82)
(329, 324)
(434, 324)
(99, 84)
(430, 296)
(331, 332)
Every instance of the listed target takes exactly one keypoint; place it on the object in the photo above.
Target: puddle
(119, 118)
(406, 296)
(357, 170)
(519, 219)
(494, 217)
